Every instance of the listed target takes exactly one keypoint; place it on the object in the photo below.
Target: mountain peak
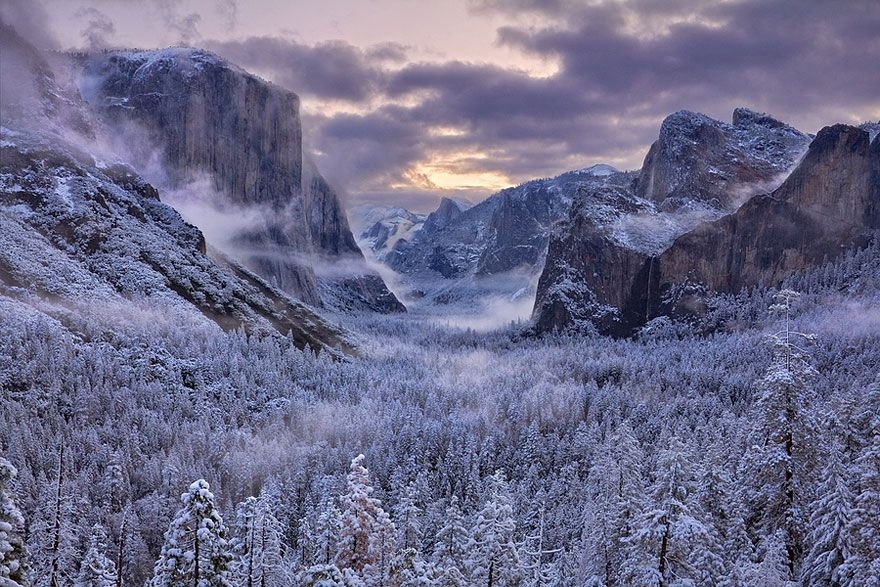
(599, 170)
(745, 117)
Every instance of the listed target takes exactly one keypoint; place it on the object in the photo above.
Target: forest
(743, 450)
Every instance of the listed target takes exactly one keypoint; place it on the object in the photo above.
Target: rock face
(211, 119)
(829, 203)
(76, 237)
(700, 160)
(603, 272)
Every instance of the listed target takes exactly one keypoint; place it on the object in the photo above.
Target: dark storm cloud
(622, 67)
(330, 70)
(789, 55)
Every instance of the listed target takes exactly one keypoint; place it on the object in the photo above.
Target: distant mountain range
(96, 147)
(715, 208)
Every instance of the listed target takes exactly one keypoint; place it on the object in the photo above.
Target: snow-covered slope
(79, 238)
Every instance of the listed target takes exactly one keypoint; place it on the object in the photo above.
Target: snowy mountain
(676, 234)
(81, 239)
(204, 125)
(462, 253)
(381, 228)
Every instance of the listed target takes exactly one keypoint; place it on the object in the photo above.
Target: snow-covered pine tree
(359, 514)
(773, 570)
(13, 553)
(409, 519)
(382, 551)
(327, 530)
(327, 576)
(452, 539)
(537, 572)
(409, 569)
(493, 557)
(615, 489)
(832, 513)
(96, 569)
(244, 545)
(782, 443)
(863, 566)
(195, 552)
(668, 543)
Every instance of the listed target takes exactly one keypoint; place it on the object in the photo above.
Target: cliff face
(698, 159)
(211, 119)
(597, 274)
(830, 202)
(209, 116)
(349, 285)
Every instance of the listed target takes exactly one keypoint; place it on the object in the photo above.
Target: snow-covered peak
(599, 170)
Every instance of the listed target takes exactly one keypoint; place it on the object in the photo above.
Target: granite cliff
(212, 119)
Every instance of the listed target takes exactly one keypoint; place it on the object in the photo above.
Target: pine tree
(829, 525)
(773, 570)
(327, 530)
(409, 518)
(96, 570)
(615, 490)
(195, 553)
(452, 538)
(409, 569)
(382, 551)
(777, 460)
(863, 565)
(327, 576)
(359, 514)
(667, 537)
(537, 572)
(13, 553)
(494, 560)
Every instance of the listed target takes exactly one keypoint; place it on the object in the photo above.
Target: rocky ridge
(676, 234)
(80, 237)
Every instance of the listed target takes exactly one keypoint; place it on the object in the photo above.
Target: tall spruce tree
(195, 552)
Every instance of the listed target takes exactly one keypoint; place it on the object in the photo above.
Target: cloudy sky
(405, 100)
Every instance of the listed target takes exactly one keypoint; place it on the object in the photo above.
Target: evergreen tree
(863, 531)
(783, 443)
(494, 559)
(536, 571)
(382, 551)
(195, 552)
(13, 553)
(327, 530)
(452, 539)
(96, 570)
(409, 518)
(669, 542)
(773, 570)
(829, 525)
(615, 490)
(409, 569)
(359, 514)
(327, 576)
